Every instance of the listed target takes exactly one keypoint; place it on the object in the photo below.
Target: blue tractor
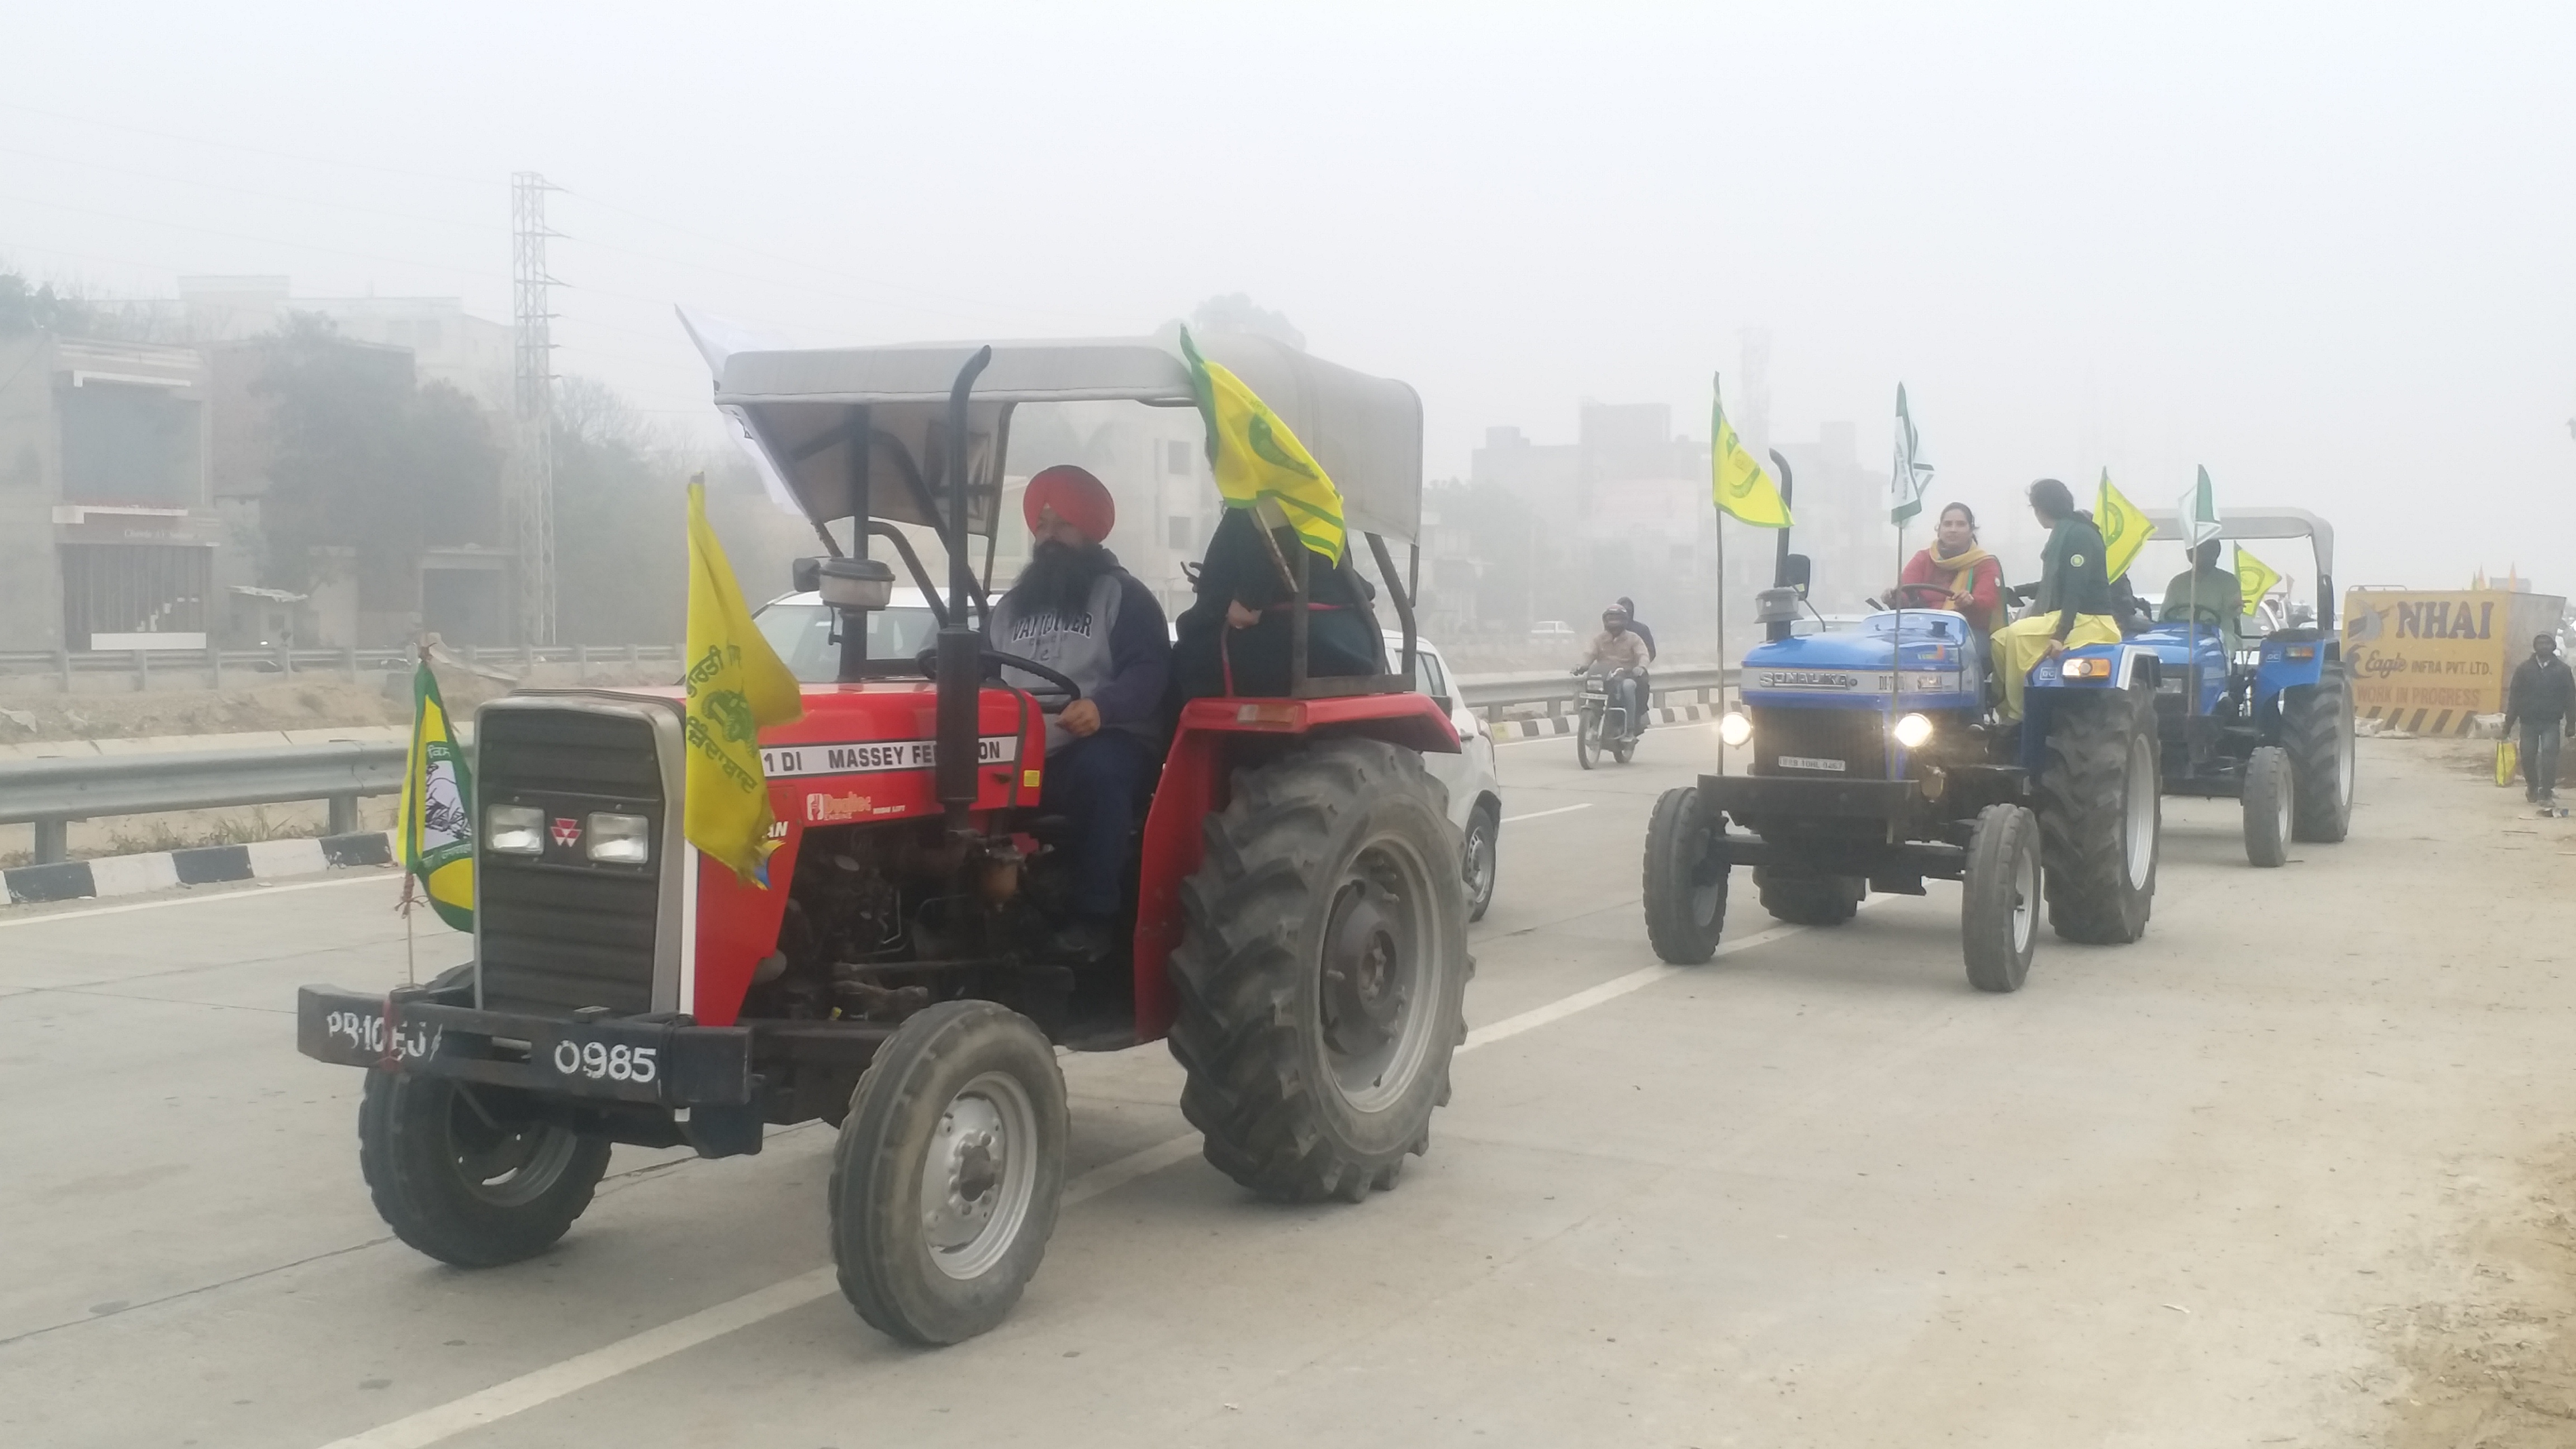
(2269, 723)
(1878, 762)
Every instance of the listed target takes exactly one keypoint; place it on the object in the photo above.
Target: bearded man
(1074, 610)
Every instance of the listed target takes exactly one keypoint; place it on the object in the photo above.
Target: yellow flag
(437, 825)
(2254, 578)
(1742, 488)
(736, 685)
(1256, 456)
(2124, 526)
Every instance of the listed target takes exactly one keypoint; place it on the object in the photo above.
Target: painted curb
(125, 875)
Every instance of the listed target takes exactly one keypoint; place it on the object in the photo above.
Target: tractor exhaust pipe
(958, 665)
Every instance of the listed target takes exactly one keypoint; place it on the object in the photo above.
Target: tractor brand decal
(567, 831)
(1811, 762)
(839, 809)
(778, 830)
(875, 757)
(1807, 679)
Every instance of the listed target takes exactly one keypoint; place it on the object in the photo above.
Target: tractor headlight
(619, 839)
(1913, 730)
(1734, 728)
(2085, 669)
(514, 829)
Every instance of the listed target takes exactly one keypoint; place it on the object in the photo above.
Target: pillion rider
(1074, 610)
(2073, 606)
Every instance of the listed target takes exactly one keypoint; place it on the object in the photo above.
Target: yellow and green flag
(1256, 456)
(736, 684)
(437, 825)
(2124, 525)
(2254, 578)
(1743, 489)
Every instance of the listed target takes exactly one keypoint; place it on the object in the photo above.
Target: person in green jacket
(2073, 607)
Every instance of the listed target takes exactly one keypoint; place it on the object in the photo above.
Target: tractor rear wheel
(1322, 971)
(461, 1176)
(1999, 910)
(2267, 806)
(2100, 819)
(1811, 900)
(948, 1173)
(2316, 728)
(1685, 877)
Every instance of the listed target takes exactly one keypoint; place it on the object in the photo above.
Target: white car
(799, 627)
(1475, 784)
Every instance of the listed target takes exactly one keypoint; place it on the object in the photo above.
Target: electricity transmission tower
(532, 491)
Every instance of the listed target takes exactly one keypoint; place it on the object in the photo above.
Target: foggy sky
(2323, 249)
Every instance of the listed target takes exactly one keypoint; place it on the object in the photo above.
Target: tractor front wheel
(460, 1173)
(1999, 912)
(2267, 806)
(2100, 818)
(1322, 971)
(948, 1173)
(1685, 877)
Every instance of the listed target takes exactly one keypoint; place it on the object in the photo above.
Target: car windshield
(802, 635)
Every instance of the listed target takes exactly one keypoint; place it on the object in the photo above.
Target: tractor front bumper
(651, 1061)
(1748, 798)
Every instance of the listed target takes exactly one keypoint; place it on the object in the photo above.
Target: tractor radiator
(558, 932)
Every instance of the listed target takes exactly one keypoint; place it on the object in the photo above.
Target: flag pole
(1713, 462)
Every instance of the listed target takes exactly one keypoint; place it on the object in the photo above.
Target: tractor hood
(1861, 664)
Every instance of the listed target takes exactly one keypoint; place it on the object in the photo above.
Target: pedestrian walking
(2542, 697)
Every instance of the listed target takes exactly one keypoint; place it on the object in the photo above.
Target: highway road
(2295, 1169)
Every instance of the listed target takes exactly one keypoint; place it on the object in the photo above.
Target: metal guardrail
(1556, 689)
(140, 664)
(53, 793)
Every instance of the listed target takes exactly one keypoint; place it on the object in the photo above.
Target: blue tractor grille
(1797, 742)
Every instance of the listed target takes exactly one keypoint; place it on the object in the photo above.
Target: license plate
(1810, 762)
(357, 1035)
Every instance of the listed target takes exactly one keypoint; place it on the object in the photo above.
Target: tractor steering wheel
(1054, 696)
(2215, 618)
(1921, 596)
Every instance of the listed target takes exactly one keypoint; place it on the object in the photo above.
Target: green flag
(438, 807)
(2198, 513)
(1913, 472)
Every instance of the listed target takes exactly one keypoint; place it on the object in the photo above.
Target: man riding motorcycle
(1621, 655)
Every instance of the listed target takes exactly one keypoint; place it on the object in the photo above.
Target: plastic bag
(2508, 759)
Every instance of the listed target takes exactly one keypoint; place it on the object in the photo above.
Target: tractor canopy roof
(803, 409)
(2261, 523)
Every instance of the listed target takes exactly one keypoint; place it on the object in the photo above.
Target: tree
(41, 308)
(621, 521)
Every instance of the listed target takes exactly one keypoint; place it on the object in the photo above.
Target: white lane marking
(258, 893)
(1543, 814)
(579, 1372)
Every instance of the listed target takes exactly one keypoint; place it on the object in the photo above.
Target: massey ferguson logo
(1808, 679)
(567, 831)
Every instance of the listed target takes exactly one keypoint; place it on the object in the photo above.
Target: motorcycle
(1602, 721)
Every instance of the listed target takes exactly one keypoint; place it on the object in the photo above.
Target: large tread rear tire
(1685, 878)
(457, 1179)
(1999, 905)
(1315, 1058)
(1826, 900)
(2268, 799)
(2100, 765)
(970, 1090)
(2316, 729)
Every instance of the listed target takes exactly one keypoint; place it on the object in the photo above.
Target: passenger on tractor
(1234, 640)
(2073, 606)
(1621, 651)
(1971, 578)
(2204, 589)
(1076, 611)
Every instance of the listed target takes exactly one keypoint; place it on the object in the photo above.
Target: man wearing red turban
(1074, 610)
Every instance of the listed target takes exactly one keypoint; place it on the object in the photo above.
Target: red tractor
(1298, 927)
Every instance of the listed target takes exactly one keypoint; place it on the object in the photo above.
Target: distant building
(467, 353)
(107, 526)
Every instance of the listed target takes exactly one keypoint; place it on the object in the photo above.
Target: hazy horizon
(2322, 250)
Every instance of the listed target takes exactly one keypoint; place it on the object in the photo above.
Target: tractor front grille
(559, 931)
(1785, 739)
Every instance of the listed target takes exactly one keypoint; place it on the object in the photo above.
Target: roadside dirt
(2495, 1367)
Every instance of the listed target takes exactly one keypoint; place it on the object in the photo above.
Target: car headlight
(1913, 730)
(1735, 728)
(619, 839)
(514, 829)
